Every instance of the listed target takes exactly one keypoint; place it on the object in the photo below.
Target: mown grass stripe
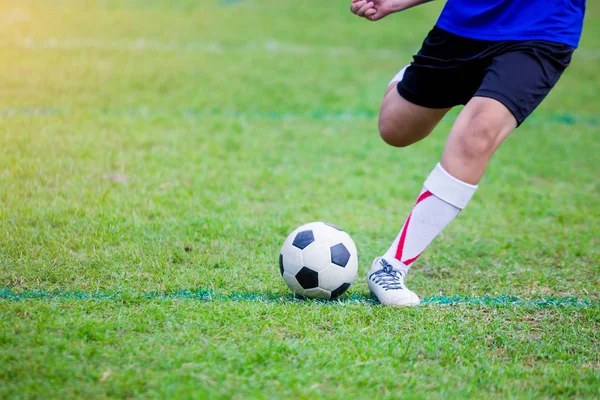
(318, 115)
(265, 46)
(210, 296)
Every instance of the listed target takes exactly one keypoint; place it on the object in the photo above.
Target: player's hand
(372, 10)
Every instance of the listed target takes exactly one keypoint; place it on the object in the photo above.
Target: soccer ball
(318, 260)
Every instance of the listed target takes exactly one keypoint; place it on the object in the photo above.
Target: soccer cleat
(387, 284)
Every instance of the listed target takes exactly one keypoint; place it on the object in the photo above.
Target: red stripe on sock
(400, 247)
(423, 196)
(411, 260)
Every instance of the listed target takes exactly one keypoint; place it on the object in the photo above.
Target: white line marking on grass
(144, 44)
(588, 54)
(8, 294)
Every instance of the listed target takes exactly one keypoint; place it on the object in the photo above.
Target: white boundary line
(143, 44)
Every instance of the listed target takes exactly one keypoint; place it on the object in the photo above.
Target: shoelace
(387, 277)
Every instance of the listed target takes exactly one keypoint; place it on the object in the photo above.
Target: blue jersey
(559, 21)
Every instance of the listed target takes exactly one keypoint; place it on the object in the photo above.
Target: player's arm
(374, 10)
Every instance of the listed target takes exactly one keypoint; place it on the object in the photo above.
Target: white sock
(399, 76)
(441, 200)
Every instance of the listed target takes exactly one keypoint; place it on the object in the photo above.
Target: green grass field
(156, 155)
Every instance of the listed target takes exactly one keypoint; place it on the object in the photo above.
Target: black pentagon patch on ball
(307, 278)
(303, 239)
(340, 291)
(281, 264)
(340, 255)
(334, 226)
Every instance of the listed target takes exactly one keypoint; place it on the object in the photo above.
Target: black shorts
(449, 70)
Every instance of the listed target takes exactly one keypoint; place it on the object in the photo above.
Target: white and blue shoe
(386, 282)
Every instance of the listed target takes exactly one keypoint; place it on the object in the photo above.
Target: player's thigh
(402, 123)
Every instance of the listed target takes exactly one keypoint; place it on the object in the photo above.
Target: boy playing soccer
(499, 58)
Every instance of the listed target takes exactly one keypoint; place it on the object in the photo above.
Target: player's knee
(393, 133)
(478, 138)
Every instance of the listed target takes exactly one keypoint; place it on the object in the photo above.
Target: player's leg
(515, 83)
(402, 123)
(426, 90)
(478, 131)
